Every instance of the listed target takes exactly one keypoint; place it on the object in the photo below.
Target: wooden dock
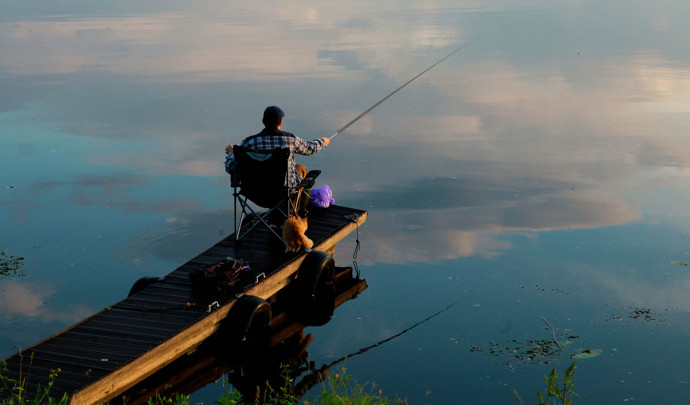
(111, 351)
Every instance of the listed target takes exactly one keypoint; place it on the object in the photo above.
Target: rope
(358, 246)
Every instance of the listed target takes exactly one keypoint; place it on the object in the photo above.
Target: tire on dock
(246, 332)
(317, 288)
(141, 284)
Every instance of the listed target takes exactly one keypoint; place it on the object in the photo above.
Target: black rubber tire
(247, 329)
(141, 284)
(317, 288)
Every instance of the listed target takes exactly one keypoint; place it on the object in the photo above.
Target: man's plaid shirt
(273, 138)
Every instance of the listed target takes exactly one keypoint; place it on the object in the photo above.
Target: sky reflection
(561, 122)
(165, 89)
(496, 139)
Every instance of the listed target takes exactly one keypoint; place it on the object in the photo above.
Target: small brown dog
(293, 234)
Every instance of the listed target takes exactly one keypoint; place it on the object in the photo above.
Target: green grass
(338, 388)
(341, 388)
(13, 391)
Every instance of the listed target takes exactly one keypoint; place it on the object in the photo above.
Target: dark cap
(273, 114)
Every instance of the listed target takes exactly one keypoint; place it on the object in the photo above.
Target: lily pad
(587, 354)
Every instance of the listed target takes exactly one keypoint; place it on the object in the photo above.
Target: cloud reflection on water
(480, 146)
(23, 305)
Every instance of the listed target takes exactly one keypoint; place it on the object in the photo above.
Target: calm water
(540, 172)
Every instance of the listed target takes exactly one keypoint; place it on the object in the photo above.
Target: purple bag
(321, 197)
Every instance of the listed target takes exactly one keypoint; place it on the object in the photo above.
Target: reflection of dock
(111, 351)
(204, 366)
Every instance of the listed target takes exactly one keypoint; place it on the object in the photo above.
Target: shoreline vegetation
(338, 388)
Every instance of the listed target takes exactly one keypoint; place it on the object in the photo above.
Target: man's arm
(308, 148)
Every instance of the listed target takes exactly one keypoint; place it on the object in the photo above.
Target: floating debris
(638, 313)
(10, 265)
(587, 354)
(525, 351)
(553, 290)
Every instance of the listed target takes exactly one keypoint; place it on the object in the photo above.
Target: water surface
(540, 172)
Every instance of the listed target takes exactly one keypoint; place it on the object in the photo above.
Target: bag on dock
(219, 275)
(321, 197)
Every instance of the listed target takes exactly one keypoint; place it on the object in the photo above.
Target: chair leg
(238, 224)
(239, 232)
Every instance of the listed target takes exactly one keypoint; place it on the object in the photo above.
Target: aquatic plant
(563, 394)
(341, 388)
(13, 390)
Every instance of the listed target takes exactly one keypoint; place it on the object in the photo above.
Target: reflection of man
(272, 137)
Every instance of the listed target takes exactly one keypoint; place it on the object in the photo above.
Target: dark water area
(540, 172)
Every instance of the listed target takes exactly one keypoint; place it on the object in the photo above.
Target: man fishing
(272, 137)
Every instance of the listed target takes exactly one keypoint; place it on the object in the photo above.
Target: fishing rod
(341, 130)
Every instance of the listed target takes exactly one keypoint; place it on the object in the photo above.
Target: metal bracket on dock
(353, 217)
(259, 277)
(213, 306)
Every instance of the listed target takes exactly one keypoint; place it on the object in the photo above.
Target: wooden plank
(125, 377)
(107, 342)
(175, 315)
(40, 372)
(135, 328)
(153, 336)
(124, 337)
(41, 368)
(167, 298)
(83, 360)
(164, 286)
(171, 308)
(103, 351)
(145, 318)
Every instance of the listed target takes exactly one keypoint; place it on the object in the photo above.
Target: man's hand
(228, 149)
(326, 141)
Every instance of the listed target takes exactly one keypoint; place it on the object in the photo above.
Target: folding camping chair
(260, 176)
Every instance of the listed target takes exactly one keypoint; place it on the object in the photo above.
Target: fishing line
(341, 130)
(317, 376)
(388, 339)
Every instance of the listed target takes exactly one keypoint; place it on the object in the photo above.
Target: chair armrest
(309, 179)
